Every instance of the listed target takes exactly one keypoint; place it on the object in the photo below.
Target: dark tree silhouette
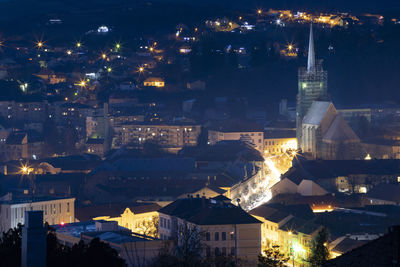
(96, 253)
(10, 247)
(319, 249)
(273, 258)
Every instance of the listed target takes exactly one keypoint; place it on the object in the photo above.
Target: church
(321, 131)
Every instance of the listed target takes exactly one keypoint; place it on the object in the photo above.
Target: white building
(55, 210)
(253, 138)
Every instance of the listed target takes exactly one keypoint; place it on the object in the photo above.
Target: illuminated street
(261, 193)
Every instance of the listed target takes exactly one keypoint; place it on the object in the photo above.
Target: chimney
(34, 246)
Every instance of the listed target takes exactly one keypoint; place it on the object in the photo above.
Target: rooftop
(202, 211)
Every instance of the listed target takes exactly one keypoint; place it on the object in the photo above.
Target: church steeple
(311, 52)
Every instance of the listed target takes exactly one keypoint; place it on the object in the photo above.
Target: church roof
(316, 112)
(339, 131)
(311, 52)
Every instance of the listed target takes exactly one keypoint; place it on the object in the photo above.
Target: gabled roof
(347, 244)
(316, 112)
(379, 252)
(320, 169)
(144, 208)
(296, 224)
(340, 131)
(202, 211)
(269, 213)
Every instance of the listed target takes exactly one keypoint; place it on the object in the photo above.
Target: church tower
(312, 86)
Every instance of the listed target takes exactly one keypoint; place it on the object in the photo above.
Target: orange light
(62, 223)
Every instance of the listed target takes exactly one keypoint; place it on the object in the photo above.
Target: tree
(188, 245)
(148, 227)
(273, 258)
(319, 249)
(96, 253)
(10, 247)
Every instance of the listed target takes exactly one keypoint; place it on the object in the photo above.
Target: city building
(252, 137)
(289, 227)
(277, 143)
(326, 135)
(135, 249)
(224, 229)
(312, 86)
(55, 210)
(154, 82)
(320, 177)
(379, 252)
(96, 146)
(170, 136)
(140, 218)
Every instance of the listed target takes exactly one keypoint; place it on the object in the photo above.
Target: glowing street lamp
(259, 11)
(109, 69)
(151, 49)
(290, 47)
(117, 46)
(25, 169)
(81, 83)
(141, 69)
(78, 44)
(39, 44)
(69, 52)
(104, 56)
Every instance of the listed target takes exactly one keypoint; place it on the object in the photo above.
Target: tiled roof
(320, 169)
(202, 211)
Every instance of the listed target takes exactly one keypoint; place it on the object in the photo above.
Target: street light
(291, 244)
(25, 169)
(78, 44)
(39, 44)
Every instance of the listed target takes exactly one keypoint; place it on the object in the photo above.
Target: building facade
(253, 138)
(172, 137)
(223, 228)
(55, 210)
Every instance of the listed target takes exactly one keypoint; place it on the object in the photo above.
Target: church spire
(311, 52)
